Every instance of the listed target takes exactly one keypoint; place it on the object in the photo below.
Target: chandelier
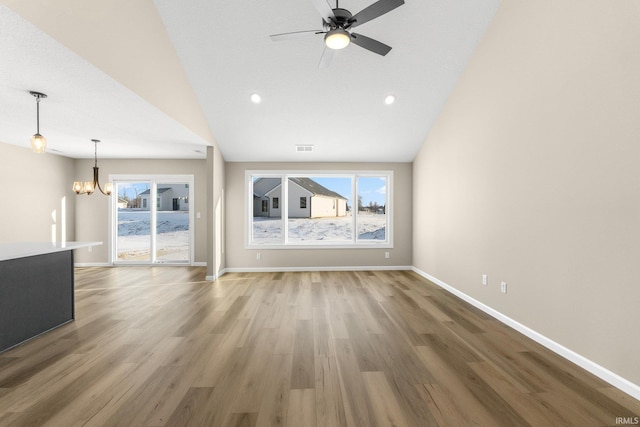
(90, 186)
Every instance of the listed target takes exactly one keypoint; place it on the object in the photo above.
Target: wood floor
(162, 346)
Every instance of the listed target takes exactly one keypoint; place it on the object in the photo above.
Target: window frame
(154, 180)
(284, 201)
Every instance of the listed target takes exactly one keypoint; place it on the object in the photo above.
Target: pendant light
(38, 142)
(90, 186)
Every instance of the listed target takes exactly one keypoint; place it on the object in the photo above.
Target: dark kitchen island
(36, 288)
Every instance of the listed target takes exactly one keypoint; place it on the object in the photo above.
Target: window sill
(311, 246)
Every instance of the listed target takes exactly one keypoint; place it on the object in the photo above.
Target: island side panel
(36, 295)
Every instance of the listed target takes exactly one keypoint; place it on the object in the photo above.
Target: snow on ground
(134, 237)
(172, 238)
(136, 223)
(336, 229)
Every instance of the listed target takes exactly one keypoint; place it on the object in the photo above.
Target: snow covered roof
(262, 186)
(315, 188)
(160, 190)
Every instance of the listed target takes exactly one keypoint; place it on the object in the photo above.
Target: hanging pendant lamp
(38, 142)
(88, 187)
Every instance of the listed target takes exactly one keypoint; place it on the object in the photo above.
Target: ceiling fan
(337, 24)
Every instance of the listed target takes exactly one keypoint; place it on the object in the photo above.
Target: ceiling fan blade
(370, 44)
(377, 9)
(326, 57)
(325, 10)
(293, 35)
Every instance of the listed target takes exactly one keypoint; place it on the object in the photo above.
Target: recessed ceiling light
(255, 98)
(390, 99)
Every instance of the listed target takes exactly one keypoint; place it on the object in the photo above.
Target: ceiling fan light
(337, 39)
(38, 143)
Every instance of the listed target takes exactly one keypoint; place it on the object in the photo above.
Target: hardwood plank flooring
(161, 346)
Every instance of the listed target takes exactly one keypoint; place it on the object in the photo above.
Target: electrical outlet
(503, 287)
(258, 256)
(485, 280)
(386, 255)
(90, 249)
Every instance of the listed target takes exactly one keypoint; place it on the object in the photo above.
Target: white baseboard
(301, 269)
(296, 269)
(108, 264)
(597, 370)
(216, 276)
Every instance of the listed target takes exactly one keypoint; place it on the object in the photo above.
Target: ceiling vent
(304, 148)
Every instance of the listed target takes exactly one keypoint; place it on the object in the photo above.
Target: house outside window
(334, 209)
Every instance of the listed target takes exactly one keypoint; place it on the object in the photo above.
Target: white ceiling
(82, 103)
(225, 50)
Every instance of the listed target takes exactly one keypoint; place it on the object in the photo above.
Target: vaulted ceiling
(164, 79)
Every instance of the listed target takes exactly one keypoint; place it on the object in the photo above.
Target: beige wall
(239, 257)
(216, 249)
(34, 189)
(92, 212)
(532, 175)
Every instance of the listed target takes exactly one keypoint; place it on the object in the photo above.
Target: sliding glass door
(133, 220)
(172, 222)
(152, 220)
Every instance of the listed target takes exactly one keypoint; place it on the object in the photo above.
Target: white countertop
(26, 249)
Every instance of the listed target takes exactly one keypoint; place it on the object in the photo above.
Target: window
(334, 209)
(266, 227)
(146, 233)
(372, 202)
